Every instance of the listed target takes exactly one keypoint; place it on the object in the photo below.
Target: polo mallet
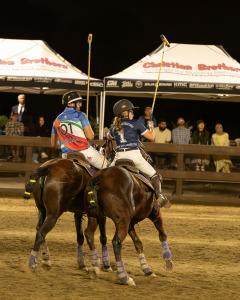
(89, 68)
(165, 43)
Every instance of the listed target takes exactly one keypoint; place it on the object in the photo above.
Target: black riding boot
(161, 200)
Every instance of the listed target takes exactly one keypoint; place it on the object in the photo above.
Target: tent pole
(97, 108)
(102, 114)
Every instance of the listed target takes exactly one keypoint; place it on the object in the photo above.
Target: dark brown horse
(124, 198)
(58, 186)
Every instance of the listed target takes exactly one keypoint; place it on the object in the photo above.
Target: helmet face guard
(70, 97)
(121, 106)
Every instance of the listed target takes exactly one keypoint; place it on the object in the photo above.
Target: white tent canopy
(201, 70)
(196, 72)
(31, 66)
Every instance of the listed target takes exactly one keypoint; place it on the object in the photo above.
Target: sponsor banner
(168, 86)
(198, 69)
(95, 86)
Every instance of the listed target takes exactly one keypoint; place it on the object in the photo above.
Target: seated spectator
(163, 136)
(40, 130)
(147, 120)
(162, 133)
(14, 128)
(181, 134)
(221, 138)
(201, 137)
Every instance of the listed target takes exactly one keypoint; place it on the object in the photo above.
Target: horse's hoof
(96, 270)
(32, 263)
(169, 264)
(46, 264)
(85, 269)
(107, 269)
(147, 271)
(130, 282)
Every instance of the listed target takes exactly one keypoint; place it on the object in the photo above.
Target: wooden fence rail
(179, 175)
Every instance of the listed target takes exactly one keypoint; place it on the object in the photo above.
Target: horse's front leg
(103, 240)
(89, 234)
(139, 248)
(80, 240)
(156, 218)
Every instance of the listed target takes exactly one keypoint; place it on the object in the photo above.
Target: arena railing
(179, 175)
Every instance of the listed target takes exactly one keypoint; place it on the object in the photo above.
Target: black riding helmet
(70, 97)
(121, 106)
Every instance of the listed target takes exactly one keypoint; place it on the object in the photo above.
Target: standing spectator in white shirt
(24, 114)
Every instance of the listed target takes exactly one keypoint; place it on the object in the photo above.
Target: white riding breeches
(140, 163)
(95, 158)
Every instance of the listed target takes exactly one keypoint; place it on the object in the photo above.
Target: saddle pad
(90, 171)
(144, 180)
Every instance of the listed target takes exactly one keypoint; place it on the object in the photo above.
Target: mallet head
(164, 40)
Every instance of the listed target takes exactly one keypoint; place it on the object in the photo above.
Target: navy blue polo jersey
(129, 135)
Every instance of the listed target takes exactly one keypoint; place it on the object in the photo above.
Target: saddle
(129, 165)
(80, 160)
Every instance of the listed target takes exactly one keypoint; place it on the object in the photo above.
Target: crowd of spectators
(21, 123)
(184, 134)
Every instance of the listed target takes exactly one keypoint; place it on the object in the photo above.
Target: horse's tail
(92, 200)
(34, 177)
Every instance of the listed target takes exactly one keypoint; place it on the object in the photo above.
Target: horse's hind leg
(47, 225)
(103, 240)
(89, 234)
(80, 240)
(120, 234)
(158, 223)
(44, 248)
(139, 248)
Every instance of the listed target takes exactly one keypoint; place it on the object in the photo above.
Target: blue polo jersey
(128, 137)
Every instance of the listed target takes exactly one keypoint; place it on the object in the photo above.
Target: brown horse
(127, 200)
(58, 186)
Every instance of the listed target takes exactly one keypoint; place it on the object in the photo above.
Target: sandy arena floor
(205, 242)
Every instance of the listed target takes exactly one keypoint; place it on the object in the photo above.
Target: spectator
(221, 138)
(163, 136)
(147, 119)
(181, 134)
(23, 114)
(40, 130)
(14, 128)
(201, 137)
(162, 133)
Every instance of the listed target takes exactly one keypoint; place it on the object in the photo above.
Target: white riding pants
(140, 163)
(95, 158)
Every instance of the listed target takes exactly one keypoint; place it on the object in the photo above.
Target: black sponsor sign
(95, 85)
(171, 86)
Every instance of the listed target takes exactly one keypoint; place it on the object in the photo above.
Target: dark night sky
(124, 32)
